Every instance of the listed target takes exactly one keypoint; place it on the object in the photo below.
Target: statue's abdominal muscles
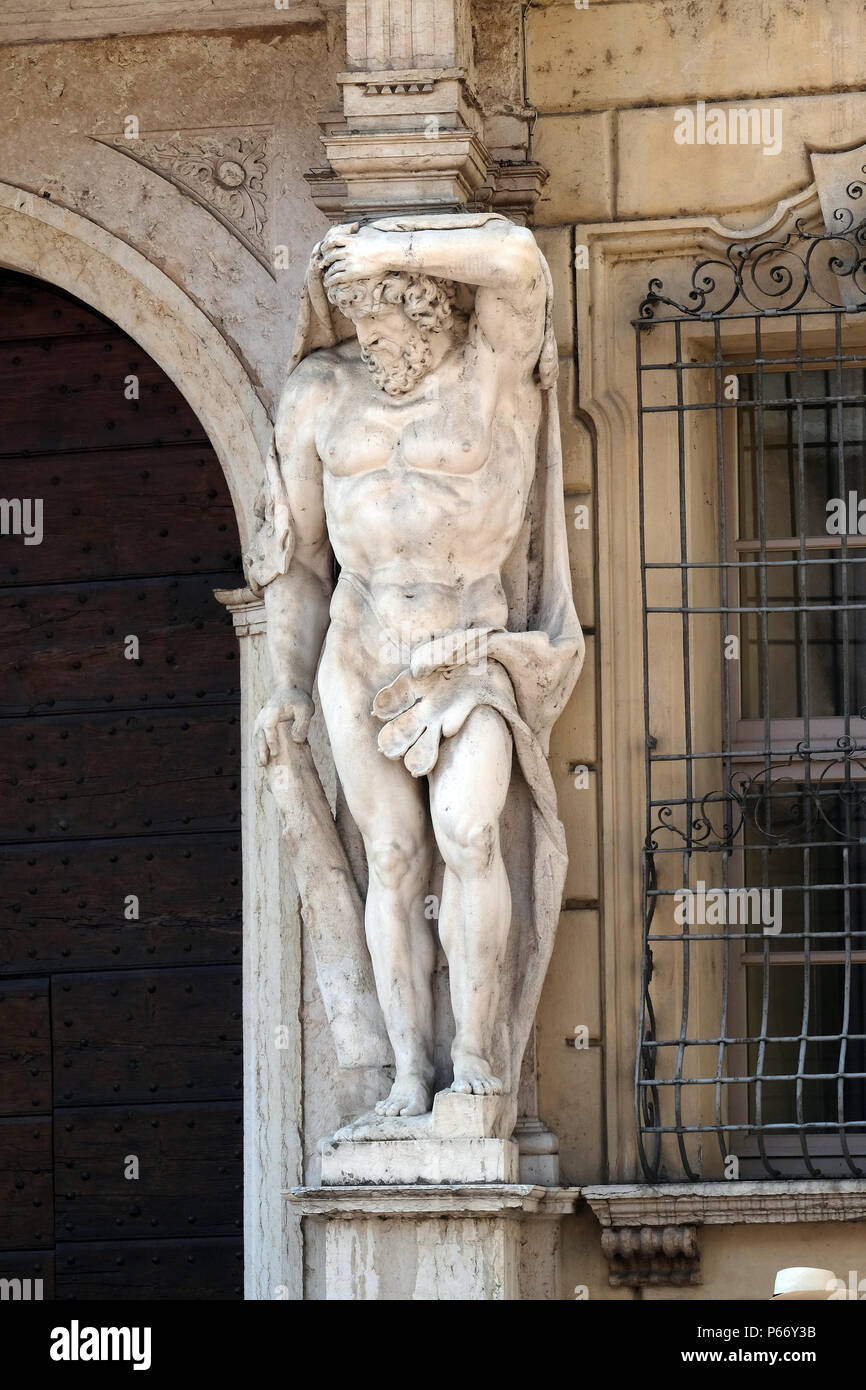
(428, 528)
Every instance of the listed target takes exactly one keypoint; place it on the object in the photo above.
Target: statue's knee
(470, 848)
(392, 861)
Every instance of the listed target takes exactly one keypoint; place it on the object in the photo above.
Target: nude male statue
(409, 451)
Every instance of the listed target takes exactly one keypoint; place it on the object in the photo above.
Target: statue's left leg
(468, 787)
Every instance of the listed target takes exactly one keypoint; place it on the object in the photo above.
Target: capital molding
(410, 134)
(246, 608)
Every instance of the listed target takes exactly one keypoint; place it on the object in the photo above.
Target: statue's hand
(419, 711)
(350, 253)
(288, 705)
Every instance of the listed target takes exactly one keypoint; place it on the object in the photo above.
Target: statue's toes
(415, 1106)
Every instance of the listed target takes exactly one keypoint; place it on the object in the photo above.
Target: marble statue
(416, 457)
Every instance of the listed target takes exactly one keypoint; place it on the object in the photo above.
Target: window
(753, 429)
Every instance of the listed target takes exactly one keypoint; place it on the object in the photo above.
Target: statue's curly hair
(428, 302)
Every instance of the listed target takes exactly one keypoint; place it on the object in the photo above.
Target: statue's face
(396, 350)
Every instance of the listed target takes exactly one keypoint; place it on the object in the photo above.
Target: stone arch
(65, 249)
(54, 244)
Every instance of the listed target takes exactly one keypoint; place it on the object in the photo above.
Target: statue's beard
(398, 374)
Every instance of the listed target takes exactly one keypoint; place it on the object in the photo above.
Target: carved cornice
(434, 1200)
(97, 19)
(515, 188)
(727, 1203)
(224, 171)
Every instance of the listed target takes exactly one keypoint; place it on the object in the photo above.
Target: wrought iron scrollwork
(646, 1093)
(828, 795)
(776, 276)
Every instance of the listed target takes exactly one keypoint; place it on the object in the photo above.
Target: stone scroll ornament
(417, 445)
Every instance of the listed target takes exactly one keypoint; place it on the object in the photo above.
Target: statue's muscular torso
(425, 493)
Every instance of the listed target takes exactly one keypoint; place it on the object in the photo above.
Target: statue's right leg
(390, 810)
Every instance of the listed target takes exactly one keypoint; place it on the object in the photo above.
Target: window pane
(773, 670)
(808, 841)
(823, 1053)
(833, 434)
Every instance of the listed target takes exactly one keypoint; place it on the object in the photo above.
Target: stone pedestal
(431, 1208)
(487, 1242)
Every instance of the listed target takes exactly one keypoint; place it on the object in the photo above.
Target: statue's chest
(450, 434)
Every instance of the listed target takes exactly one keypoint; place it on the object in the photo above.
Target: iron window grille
(752, 418)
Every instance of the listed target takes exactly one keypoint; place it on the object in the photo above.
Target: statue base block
(478, 1117)
(466, 1139)
(348, 1162)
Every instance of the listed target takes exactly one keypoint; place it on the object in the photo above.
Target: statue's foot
(473, 1077)
(410, 1095)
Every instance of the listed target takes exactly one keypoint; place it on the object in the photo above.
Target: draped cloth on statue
(541, 650)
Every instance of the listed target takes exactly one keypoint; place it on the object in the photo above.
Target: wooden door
(120, 1035)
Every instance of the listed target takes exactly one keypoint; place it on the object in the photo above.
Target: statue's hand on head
(349, 253)
(288, 705)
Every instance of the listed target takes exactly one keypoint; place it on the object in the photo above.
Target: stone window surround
(622, 256)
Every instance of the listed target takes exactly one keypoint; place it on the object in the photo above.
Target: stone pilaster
(271, 983)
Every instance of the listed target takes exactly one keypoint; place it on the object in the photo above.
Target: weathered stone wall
(32, 21)
(194, 97)
(606, 80)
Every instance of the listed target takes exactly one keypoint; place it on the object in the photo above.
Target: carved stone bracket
(640, 1255)
(223, 171)
(650, 1233)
